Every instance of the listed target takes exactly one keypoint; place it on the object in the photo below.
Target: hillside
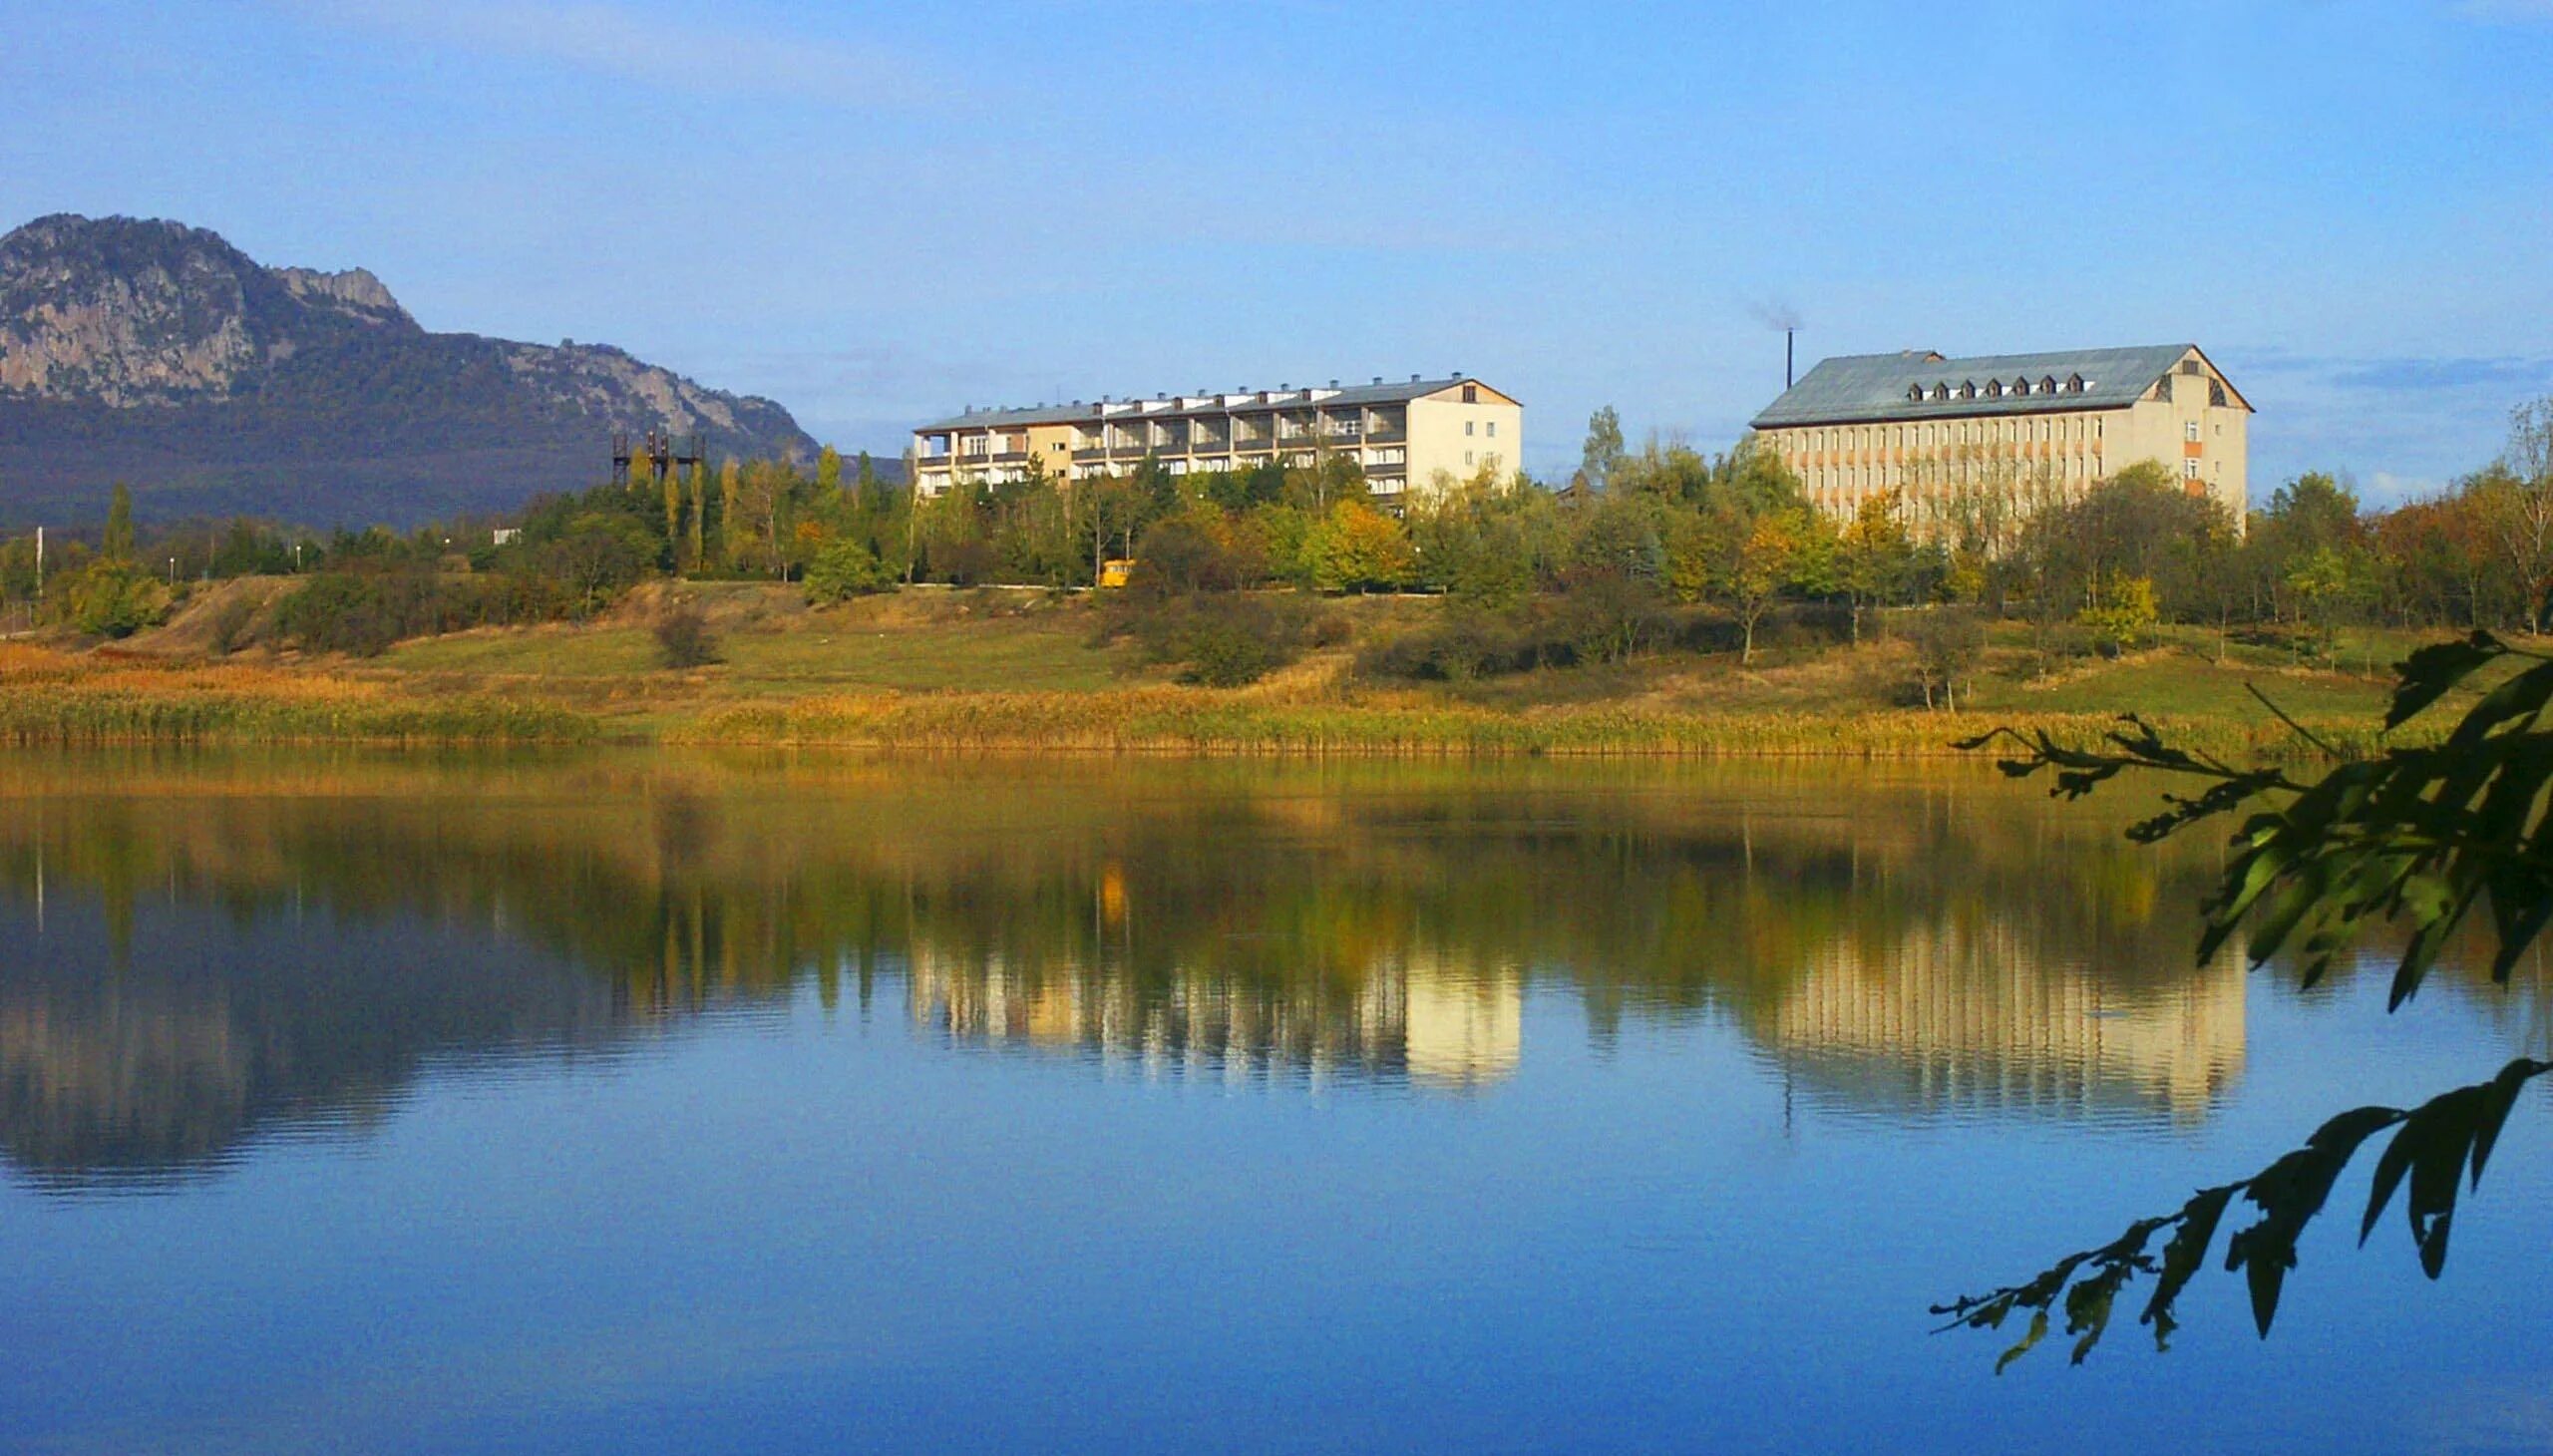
(160, 355)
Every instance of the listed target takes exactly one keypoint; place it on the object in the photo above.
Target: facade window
(1467, 457)
(2216, 393)
(1471, 394)
(2189, 430)
(1467, 427)
(1493, 429)
(2189, 468)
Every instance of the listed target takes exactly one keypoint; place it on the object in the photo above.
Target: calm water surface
(637, 1103)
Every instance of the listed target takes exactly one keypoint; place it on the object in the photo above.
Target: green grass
(813, 653)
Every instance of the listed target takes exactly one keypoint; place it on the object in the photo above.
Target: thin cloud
(633, 45)
(2507, 11)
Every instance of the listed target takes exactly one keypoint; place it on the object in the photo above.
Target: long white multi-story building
(1403, 436)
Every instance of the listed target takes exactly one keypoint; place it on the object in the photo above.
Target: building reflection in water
(1957, 1017)
(1413, 1019)
(208, 960)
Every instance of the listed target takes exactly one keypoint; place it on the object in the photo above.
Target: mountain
(160, 355)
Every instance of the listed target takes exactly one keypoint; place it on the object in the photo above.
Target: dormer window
(2075, 384)
(1967, 389)
(1941, 392)
(1914, 393)
(2048, 385)
(2021, 386)
(1994, 389)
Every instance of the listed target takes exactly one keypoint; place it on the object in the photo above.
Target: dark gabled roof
(1857, 388)
(1354, 393)
(1037, 415)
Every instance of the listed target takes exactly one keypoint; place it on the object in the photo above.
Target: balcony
(1397, 436)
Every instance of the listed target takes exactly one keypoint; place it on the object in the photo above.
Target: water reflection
(216, 948)
(1434, 1024)
(1956, 1016)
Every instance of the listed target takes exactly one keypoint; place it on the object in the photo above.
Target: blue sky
(874, 214)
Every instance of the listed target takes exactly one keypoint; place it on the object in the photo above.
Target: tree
(731, 514)
(2327, 587)
(119, 541)
(2516, 502)
(599, 554)
(1357, 547)
(1873, 556)
(1743, 562)
(2416, 839)
(699, 512)
(2121, 613)
(1602, 453)
(1948, 643)
(672, 488)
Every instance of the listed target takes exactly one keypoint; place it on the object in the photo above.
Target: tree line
(1648, 547)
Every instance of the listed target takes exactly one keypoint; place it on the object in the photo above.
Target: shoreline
(1163, 722)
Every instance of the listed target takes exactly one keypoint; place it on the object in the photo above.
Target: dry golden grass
(1020, 672)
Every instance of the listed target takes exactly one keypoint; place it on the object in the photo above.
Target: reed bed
(1175, 721)
(49, 699)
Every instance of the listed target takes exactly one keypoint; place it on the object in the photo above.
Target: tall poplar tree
(120, 523)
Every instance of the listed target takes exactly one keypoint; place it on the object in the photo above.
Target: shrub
(111, 599)
(1177, 556)
(233, 624)
(683, 639)
(1465, 643)
(846, 568)
(1218, 639)
(364, 613)
(1223, 654)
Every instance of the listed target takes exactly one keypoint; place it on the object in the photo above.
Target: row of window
(1955, 432)
(1824, 481)
(1833, 486)
(1943, 390)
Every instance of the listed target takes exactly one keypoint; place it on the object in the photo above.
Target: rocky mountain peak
(150, 348)
(355, 291)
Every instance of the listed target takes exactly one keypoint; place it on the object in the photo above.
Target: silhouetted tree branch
(2418, 837)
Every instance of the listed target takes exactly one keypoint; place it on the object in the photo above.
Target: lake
(642, 1102)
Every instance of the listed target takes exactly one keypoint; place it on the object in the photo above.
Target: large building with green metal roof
(1933, 434)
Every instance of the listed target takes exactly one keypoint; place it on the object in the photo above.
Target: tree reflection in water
(230, 947)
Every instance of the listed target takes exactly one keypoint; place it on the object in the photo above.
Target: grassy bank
(1023, 672)
(52, 698)
(1162, 720)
